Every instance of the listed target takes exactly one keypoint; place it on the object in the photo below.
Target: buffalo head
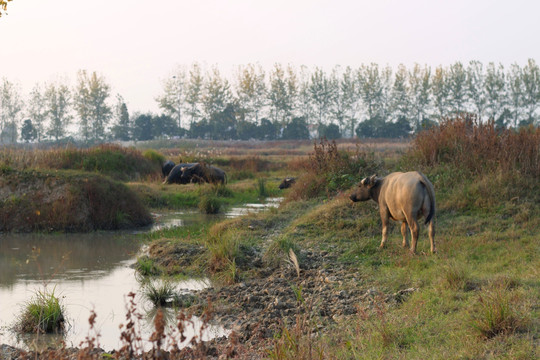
(363, 191)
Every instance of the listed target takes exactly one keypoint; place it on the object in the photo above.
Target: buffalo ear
(372, 180)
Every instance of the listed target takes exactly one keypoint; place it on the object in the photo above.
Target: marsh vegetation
(338, 296)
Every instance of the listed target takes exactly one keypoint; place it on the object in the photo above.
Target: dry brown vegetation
(469, 144)
(113, 160)
(328, 170)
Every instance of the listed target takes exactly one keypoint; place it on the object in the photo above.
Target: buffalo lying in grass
(404, 197)
(287, 183)
(196, 173)
(175, 175)
(167, 167)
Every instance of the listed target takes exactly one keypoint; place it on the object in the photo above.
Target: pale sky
(137, 44)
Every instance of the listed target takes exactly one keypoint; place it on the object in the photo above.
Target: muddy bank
(32, 200)
(326, 292)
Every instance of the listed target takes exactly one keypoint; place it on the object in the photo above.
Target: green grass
(477, 298)
(42, 314)
(209, 204)
(457, 311)
(161, 293)
(262, 190)
(177, 197)
(146, 266)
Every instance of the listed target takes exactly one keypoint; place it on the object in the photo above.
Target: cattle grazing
(287, 183)
(167, 167)
(403, 197)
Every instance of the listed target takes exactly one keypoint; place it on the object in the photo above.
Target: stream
(92, 272)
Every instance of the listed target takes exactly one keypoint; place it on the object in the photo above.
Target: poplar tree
(91, 95)
(122, 127)
(440, 91)
(283, 90)
(174, 96)
(401, 103)
(11, 106)
(370, 89)
(251, 92)
(194, 89)
(515, 93)
(531, 90)
(345, 100)
(37, 111)
(420, 93)
(304, 103)
(457, 87)
(323, 91)
(495, 87)
(476, 88)
(58, 105)
(385, 110)
(217, 94)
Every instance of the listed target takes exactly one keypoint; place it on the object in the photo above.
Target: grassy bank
(65, 200)
(477, 298)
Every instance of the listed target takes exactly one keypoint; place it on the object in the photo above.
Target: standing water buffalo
(167, 167)
(287, 183)
(401, 197)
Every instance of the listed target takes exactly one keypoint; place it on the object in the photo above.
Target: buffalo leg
(404, 233)
(413, 225)
(431, 231)
(384, 218)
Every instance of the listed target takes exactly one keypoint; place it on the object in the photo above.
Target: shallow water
(88, 272)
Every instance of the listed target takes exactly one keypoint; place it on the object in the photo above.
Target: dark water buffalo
(404, 197)
(174, 176)
(287, 183)
(167, 167)
(199, 173)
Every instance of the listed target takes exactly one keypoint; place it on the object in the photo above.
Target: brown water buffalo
(401, 197)
(287, 183)
(199, 173)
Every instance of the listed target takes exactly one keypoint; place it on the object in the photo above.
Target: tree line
(282, 103)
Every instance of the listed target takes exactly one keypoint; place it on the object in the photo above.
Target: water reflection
(90, 272)
(63, 256)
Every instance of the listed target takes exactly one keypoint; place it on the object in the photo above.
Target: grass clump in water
(261, 187)
(159, 293)
(146, 266)
(42, 314)
(163, 293)
(209, 204)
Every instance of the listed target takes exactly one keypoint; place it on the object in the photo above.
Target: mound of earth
(33, 200)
